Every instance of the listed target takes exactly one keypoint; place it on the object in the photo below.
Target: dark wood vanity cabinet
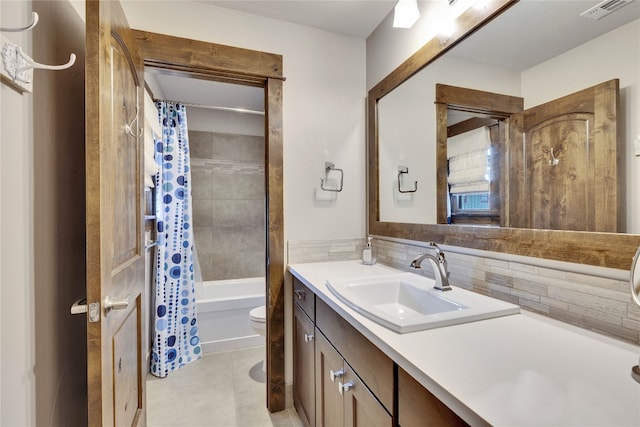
(304, 356)
(373, 366)
(342, 398)
(327, 353)
(329, 375)
(340, 378)
(418, 407)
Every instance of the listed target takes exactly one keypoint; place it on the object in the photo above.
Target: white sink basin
(407, 302)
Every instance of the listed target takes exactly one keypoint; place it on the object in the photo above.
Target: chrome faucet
(436, 257)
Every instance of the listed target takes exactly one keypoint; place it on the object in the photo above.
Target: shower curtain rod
(215, 107)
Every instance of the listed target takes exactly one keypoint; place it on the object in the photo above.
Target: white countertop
(515, 370)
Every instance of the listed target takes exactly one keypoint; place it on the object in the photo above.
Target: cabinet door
(373, 366)
(303, 366)
(418, 407)
(361, 408)
(329, 373)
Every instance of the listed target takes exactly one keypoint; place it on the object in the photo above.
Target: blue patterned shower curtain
(176, 341)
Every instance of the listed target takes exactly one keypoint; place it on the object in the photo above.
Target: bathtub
(223, 313)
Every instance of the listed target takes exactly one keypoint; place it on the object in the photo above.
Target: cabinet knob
(336, 374)
(308, 337)
(344, 387)
(301, 295)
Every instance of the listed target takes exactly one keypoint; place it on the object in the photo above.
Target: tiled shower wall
(228, 193)
(600, 304)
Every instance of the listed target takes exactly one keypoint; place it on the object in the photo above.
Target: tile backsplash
(592, 302)
(301, 251)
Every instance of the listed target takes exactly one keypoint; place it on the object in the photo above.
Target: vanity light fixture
(405, 14)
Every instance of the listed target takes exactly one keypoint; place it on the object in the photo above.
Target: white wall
(324, 108)
(17, 347)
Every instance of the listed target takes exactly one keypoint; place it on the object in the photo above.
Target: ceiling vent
(601, 10)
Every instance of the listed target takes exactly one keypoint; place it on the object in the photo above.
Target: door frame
(229, 64)
(482, 104)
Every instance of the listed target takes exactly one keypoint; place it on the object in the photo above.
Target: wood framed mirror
(612, 250)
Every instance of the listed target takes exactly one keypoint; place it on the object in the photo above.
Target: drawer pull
(308, 337)
(336, 374)
(344, 387)
(301, 295)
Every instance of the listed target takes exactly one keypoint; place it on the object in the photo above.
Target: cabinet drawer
(361, 408)
(368, 361)
(305, 298)
(304, 366)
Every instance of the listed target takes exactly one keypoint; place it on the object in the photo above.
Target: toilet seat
(258, 314)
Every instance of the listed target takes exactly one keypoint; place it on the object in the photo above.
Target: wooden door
(114, 246)
(303, 366)
(361, 408)
(329, 375)
(564, 163)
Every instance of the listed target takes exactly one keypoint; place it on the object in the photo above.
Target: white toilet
(258, 320)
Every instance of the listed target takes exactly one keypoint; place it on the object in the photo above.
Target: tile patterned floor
(222, 389)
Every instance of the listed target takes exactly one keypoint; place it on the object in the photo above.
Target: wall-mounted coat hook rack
(401, 171)
(34, 22)
(17, 67)
(328, 167)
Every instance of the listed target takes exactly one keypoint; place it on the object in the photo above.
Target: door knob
(308, 337)
(110, 304)
(301, 295)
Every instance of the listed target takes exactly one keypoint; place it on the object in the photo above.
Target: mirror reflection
(539, 67)
(474, 146)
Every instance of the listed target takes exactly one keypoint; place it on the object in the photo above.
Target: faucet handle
(440, 252)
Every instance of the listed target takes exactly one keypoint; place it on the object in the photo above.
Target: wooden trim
(486, 104)
(599, 249)
(442, 168)
(275, 246)
(464, 99)
(163, 51)
(236, 65)
(469, 125)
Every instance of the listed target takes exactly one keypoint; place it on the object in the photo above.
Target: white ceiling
(534, 31)
(526, 34)
(171, 87)
(355, 18)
